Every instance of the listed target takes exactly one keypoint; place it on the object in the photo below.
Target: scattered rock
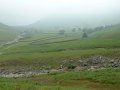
(92, 63)
(19, 73)
(96, 62)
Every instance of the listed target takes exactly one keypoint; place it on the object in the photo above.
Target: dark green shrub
(71, 66)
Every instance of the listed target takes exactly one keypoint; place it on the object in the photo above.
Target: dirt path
(20, 36)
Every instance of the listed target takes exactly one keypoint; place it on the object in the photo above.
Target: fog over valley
(59, 44)
(59, 13)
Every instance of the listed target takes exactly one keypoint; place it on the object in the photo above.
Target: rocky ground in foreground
(93, 63)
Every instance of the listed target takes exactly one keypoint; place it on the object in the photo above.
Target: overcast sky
(23, 12)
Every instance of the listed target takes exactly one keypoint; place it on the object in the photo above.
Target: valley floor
(49, 61)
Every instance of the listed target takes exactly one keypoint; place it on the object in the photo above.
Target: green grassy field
(108, 79)
(48, 50)
(107, 76)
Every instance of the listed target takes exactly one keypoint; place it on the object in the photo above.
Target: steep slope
(7, 33)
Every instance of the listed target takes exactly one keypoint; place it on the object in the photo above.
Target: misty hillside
(112, 32)
(51, 42)
(57, 23)
(7, 33)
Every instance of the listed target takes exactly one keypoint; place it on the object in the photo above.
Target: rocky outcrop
(95, 62)
(92, 63)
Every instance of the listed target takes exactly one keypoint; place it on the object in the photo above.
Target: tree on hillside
(74, 30)
(62, 32)
(79, 29)
(84, 35)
